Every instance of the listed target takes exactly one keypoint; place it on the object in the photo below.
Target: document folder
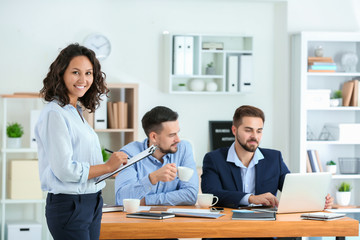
(147, 152)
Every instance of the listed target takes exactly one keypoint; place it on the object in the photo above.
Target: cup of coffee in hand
(206, 200)
(185, 173)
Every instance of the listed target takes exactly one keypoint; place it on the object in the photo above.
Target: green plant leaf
(14, 130)
(344, 187)
(331, 162)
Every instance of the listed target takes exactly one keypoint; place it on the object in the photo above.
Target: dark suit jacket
(223, 179)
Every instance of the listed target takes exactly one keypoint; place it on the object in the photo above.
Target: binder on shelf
(122, 114)
(233, 73)
(179, 55)
(316, 165)
(100, 115)
(318, 160)
(246, 73)
(308, 165)
(110, 115)
(355, 95)
(115, 108)
(347, 91)
(189, 55)
(313, 163)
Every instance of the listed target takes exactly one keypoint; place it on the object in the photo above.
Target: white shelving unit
(335, 44)
(19, 209)
(232, 45)
(115, 138)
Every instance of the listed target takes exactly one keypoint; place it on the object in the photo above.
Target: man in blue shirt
(154, 180)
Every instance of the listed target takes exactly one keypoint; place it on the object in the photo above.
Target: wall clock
(99, 44)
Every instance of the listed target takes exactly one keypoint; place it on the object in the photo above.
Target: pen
(108, 150)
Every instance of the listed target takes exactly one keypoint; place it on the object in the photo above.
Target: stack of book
(313, 163)
(321, 64)
(117, 115)
(350, 93)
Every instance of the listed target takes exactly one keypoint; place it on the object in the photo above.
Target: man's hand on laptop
(329, 201)
(265, 199)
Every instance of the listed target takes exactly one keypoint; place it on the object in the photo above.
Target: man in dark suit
(245, 174)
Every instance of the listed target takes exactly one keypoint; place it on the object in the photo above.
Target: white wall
(34, 31)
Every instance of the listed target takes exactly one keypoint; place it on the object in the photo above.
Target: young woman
(69, 151)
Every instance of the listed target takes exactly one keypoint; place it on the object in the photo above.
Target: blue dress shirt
(134, 182)
(67, 147)
(247, 173)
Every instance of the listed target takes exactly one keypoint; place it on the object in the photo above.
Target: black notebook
(253, 215)
(149, 215)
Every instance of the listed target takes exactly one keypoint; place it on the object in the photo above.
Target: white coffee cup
(205, 200)
(131, 205)
(185, 173)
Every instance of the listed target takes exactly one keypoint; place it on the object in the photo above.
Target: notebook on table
(149, 215)
(302, 192)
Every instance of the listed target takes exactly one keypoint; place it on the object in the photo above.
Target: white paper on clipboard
(130, 162)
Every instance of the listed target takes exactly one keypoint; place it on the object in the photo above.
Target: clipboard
(147, 152)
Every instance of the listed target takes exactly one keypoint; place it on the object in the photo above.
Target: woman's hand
(116, 160)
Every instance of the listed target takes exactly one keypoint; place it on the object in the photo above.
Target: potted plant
(343, 194)
(336, 99)
(14, 132)
(210, 70)
(181, 87)
(331, 167)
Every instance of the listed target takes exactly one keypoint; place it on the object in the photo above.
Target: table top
(115, 225)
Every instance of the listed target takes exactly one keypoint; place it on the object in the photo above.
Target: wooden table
(115, 225)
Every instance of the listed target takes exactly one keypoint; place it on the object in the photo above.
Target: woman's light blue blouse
(67, 147)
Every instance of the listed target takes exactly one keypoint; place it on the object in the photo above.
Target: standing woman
(69, 151)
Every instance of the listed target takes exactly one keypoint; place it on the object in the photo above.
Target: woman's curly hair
(54, 85)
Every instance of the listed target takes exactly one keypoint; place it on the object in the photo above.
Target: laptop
(302, 192)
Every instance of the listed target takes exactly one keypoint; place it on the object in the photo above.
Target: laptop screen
(304, 192)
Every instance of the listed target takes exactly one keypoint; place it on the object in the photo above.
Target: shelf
(14, 201)
(207, 93)
(19, 150)
(308, 120)
(197, 76)
(346, 176)
(228, 51)
(114, 130)
(335, 74)
(335, 109)
(186, 60)
(332, 143)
